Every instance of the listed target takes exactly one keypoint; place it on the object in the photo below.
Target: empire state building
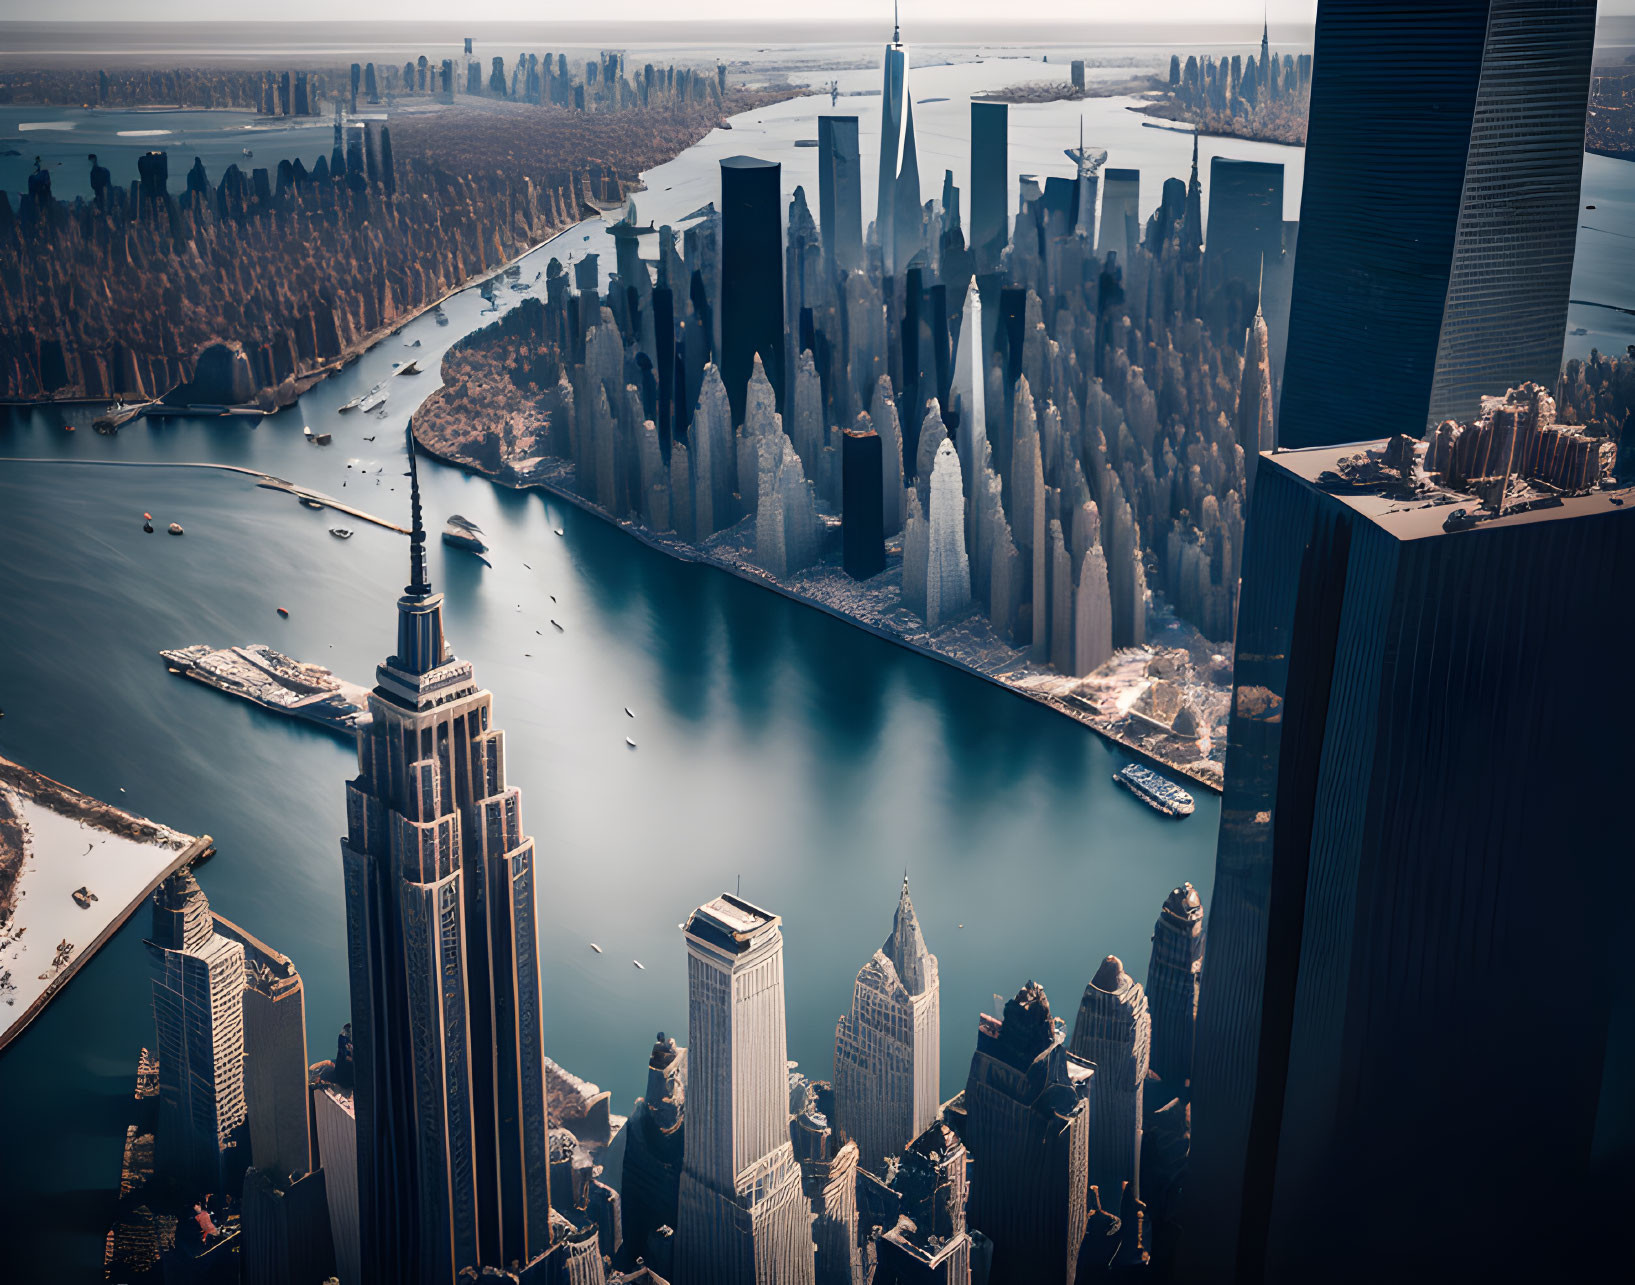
(453, 1164)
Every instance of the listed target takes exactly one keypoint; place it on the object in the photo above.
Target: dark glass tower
(862, 520)
(990, 182)
(840, 193)
(1442, 133)
(751, 276)
(1245, 217)
(1409, 1001)
(453, 1168)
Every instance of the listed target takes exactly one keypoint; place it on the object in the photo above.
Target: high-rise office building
(1505, 319)
(275, 1057)
(1245, 217)
(1438, 210)
(198, 1013)
(897, 199)
(886, 1048)
(862, 513)
(752, 272)
(828, 1167)
(930, 1243)
(1415, 832)
(840, 193)
(1025, 1117)
(1120, 213)
(442, 948)
(744, 1218)
(654, 1140)
(990, 182)
(1172, 985)
(1113, 1031)
(1255, 429)
(336, 1129)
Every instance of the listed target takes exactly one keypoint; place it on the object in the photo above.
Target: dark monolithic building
(744, 1218)
(886, 1048)
(862, 527)
(1438, 212)
(897, 200)
(453, 1167)
(752, 271)
(1025, 1117)
(990, 182)
(1418, 835)
(1245, 216)
(929, 1244)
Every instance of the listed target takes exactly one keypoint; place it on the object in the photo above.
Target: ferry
(351, 405)
(1154, 790)
(376, 396)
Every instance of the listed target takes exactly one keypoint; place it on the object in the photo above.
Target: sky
(954, 11)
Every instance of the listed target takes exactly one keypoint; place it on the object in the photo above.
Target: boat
(320, 439)
(558, 627)
(275, 682)
(376, 396)
(284, 611)
(629, 742)
(370, 438)
(639, 964)
(409, 368)
(353, 404)
(340, 532)
(175, 528)
(596, 948)
(310, 502)
(1155, 791)
(627, 711)
(463, 533)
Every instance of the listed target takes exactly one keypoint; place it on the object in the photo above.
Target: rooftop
(1415, 514)
(731, 923)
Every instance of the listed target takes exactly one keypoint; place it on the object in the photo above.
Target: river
(776, 746)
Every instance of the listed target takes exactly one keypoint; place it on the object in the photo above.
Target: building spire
(1260, 285)
(896, 27)
(419, 585)
(906, 945)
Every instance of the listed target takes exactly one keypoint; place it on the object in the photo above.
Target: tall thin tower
(897, 200)
(453, 1167)
(744, 1219)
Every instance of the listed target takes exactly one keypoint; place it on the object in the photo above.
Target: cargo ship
(1155, 791)
(274, 681)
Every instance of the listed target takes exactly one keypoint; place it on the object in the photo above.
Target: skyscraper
(930, 1244)
(1025, 1116)
(744, 1218)
(1120, 213)
(1253, 426)
(654, 1139)
(990, 182)
(752, 271)
(1172, 985)
(442, 948)
(1414, 840)
(828, 1167)
(198, 1013)
(1114, 1032)
(897, 200)
(1245, 217)
(948, 567)
(1440, 198)
(840, 193)
(1519, 207)
(886, 1048)
(862, 516)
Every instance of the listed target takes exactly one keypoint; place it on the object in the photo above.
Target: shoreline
(684, 552)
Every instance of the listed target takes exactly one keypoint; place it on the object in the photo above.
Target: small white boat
(559, 530)
(627, 711)
(639, 964)
(596, 948)
(559, 628)
(409, 368)
(629, 742)
(376, 396)
(351, 405)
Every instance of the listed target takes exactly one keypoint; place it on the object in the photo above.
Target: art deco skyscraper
(1438, 212)
(1172, 985)
(453, 1167)
(1254, 427)
(887, 1047)
(198, 1012)
(744, 1218)
(897, 200)
(1026, 1120)
(1114, 1031)
(1399, 891)
(948, 567)
(655, 1138)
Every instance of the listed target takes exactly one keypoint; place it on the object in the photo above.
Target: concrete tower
(886, 1048)
(453, 1167)
(1253, 426)
(1172, 985)
(840, 193)
(744, 1219)
(1114, 1032)
(198, 1012)
(948, 568)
